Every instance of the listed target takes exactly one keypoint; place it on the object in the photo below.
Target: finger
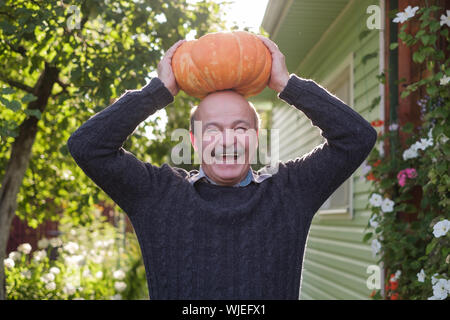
(175, 46)
(272, 46)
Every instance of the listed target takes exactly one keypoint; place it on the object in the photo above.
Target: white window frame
(345, 213)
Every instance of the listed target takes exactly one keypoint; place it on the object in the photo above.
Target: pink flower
(406, 173)
(411, 172)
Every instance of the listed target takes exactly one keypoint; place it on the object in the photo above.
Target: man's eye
(240, 129)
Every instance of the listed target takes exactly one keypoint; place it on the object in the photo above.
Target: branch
(63, 86)
(16, 84)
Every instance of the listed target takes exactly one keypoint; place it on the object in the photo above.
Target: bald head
(227, 104)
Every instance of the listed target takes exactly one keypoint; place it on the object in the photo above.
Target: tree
(61, 62)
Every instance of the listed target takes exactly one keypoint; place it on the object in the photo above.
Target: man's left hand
(279, 74)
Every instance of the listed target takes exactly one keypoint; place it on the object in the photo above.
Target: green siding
(336, 259)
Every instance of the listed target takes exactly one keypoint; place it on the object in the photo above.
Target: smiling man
(227, 128)
(223, 231)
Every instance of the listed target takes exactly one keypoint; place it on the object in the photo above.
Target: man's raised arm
(97, 144)
(349, 137)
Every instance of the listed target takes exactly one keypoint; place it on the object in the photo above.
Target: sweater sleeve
(96, 146)
(349, 140)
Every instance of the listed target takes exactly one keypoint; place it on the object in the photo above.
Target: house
(340, 45)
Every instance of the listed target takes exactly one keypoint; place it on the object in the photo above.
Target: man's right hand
(165, 72)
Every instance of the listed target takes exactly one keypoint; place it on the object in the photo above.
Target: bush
(85, 262)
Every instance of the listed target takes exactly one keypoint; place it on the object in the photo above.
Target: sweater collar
(251, 177)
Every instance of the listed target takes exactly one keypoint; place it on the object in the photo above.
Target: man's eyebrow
(219, 125)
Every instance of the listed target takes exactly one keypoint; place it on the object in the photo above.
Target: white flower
(48, 277)
(55, 270)
(365, 169)
(421, 276)
(444, 80)
(43, 243)
(15, 255)
(55, 242)
(39, 255)
(120, 286)
(430, 133)
(425, 143)
(376, 247)
(116, 297)
(373, 223)
(97, 258)
(441, 228)
(397, 275)
(26, 274)
(410, 154)
(446, 19)
(119, 275)
(410, 12)
(393, 127)
(71, 247)
(387, 205)
(433, 298)
(86, 273)
(50, 286)
(75, 260)
(69, 289)
(440, 289)
(9, 263)
(434, 279)
(401, 17)
(25, 248)
(381, 148)
(99, 275)
(376, 200)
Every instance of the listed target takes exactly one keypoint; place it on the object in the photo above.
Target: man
(226, 231)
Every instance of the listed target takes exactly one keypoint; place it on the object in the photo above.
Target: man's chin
(227, 171)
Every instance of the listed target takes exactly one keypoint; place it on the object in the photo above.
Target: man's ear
(191, 134)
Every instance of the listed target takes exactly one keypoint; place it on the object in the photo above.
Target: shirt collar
(251, 177)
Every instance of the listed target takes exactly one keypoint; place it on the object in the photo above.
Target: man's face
(229, 137)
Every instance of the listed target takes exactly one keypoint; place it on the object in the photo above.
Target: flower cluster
(86, 266)
(414, 236)
(392, 285)
(386, 204)
(409, 173)
(412, 151)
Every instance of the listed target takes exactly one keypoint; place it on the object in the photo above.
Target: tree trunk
(18, 163)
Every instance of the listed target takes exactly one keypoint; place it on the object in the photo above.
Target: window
(339, 204)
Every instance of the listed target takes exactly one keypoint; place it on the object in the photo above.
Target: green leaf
(367, 236)
(33, 112)
(408, 127)
(13, 105)
(7, 90)
(418, 57)
(430, 246)
(393, 46)
(432, 90)
(28, 98)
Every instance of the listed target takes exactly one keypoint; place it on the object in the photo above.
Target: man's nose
(228, 138)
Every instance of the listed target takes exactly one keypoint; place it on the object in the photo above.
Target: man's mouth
(227, 157)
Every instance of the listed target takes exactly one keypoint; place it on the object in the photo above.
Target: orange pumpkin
(236, 60)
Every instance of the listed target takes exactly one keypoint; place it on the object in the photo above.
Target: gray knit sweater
(205, 241)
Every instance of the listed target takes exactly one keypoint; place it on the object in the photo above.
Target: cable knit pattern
(205, 241)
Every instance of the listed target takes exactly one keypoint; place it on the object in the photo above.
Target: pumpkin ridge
(239, 76)
(246, 89)
(211, 86)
